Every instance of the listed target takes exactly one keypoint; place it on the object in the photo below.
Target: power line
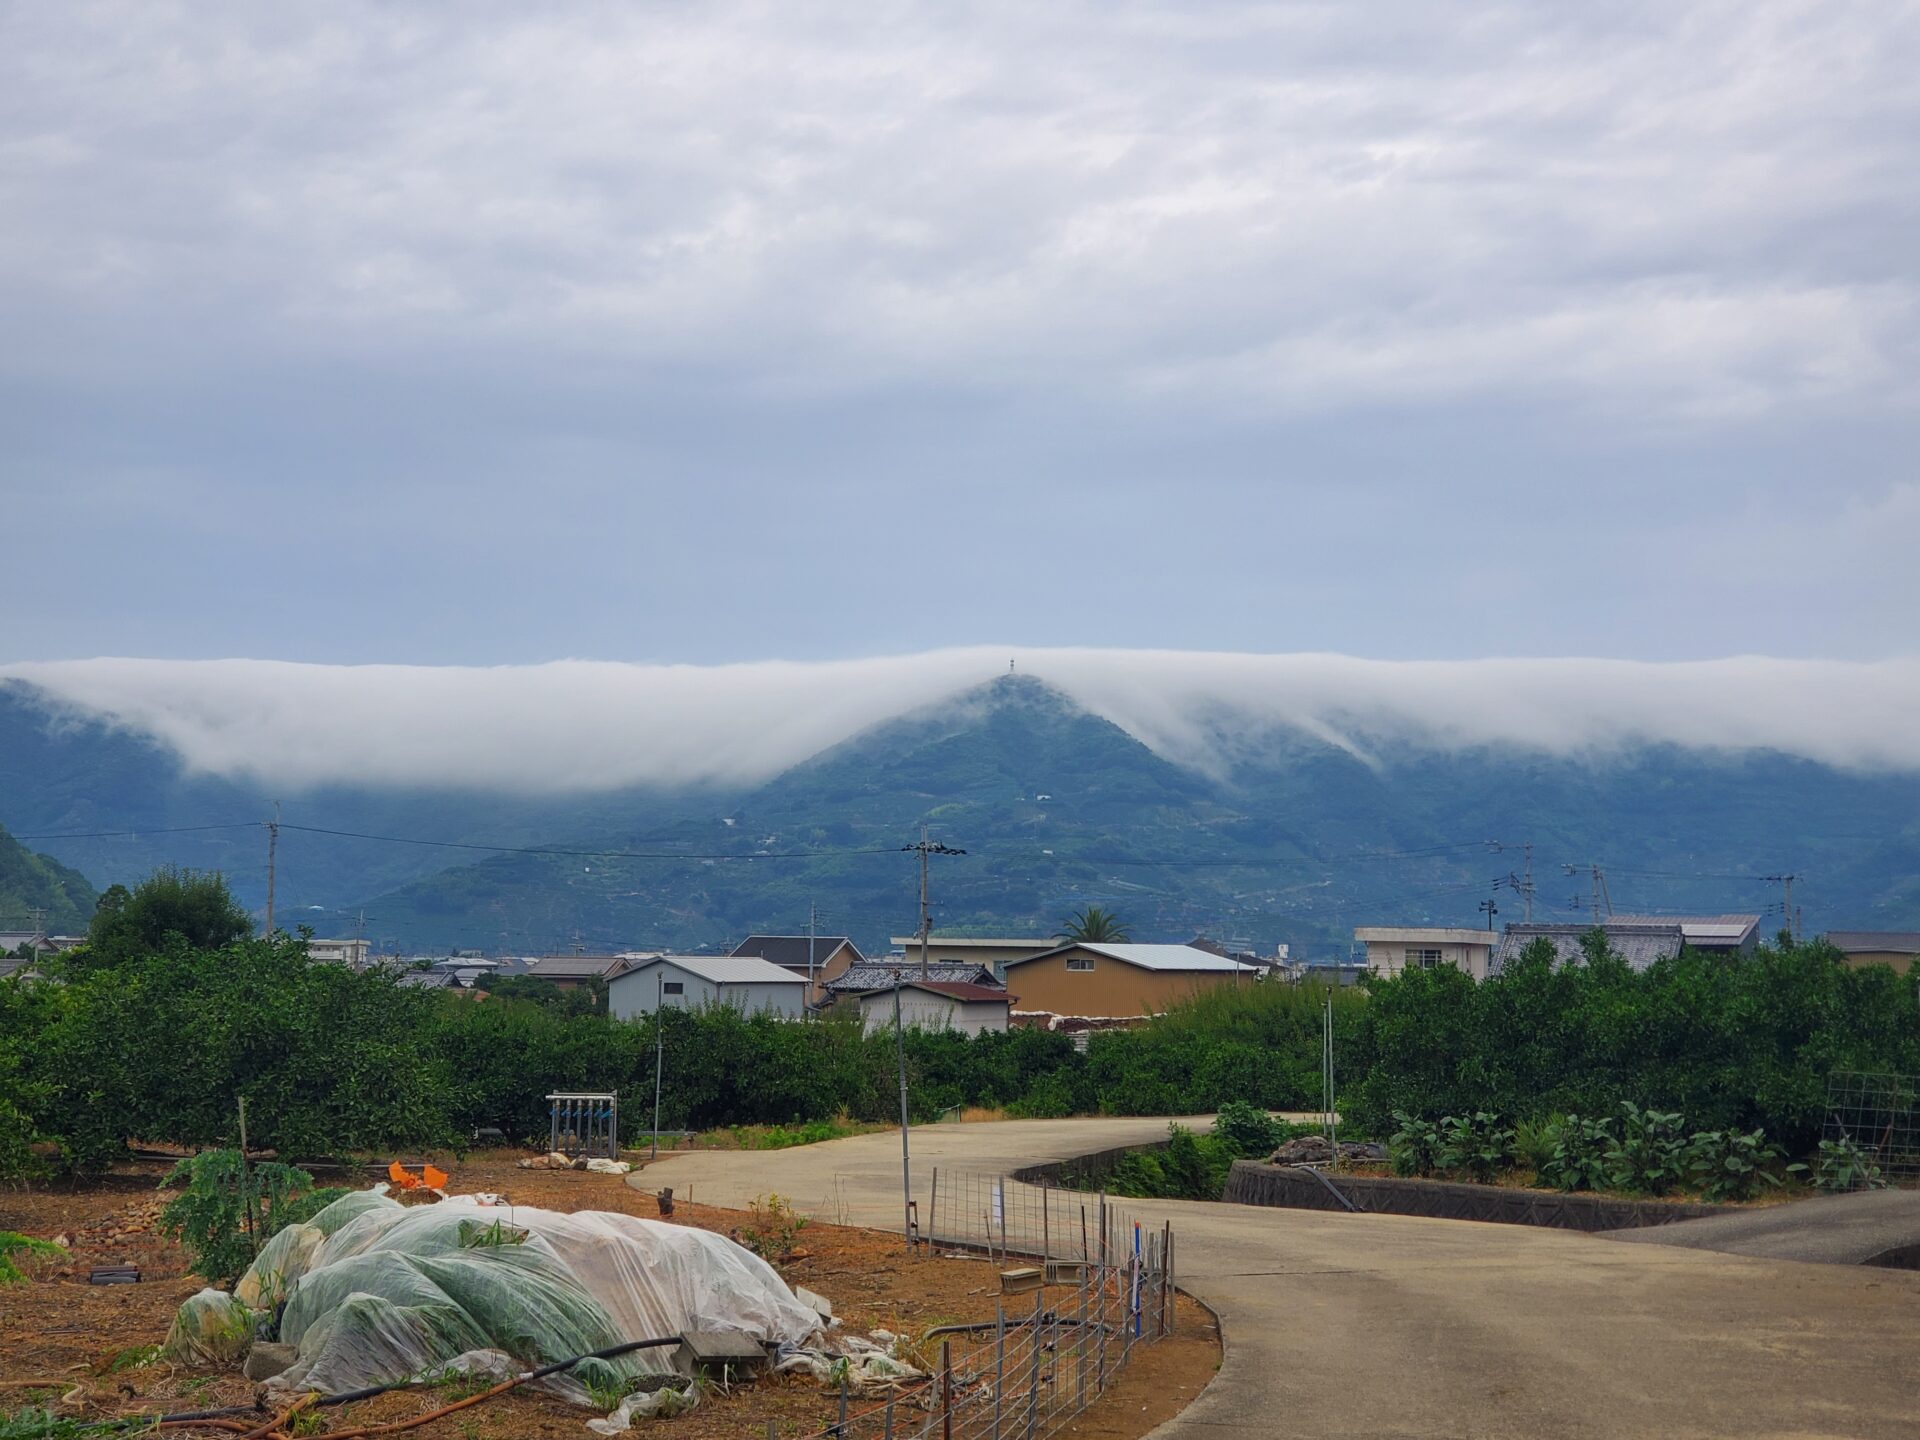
(161, 830)
(591, 854)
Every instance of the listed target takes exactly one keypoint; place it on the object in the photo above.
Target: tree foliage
(1094, 926)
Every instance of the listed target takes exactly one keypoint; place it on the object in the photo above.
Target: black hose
(349, 1397)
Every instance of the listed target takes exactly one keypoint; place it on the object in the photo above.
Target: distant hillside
(1057, 808)
(30, 882)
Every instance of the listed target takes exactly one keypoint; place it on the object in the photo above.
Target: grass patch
(785, 1137)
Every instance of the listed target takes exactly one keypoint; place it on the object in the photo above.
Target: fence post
(887, 1432)
(1033, 1382)
(999, 1360)
(1046, 1225)
(1080, 1348)
(946, 1389)
(933, 1209)
(840, 1425)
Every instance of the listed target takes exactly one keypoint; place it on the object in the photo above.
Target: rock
(267, 1359)
(1304, 1150)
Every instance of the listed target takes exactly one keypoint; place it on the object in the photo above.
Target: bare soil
(90, 1346)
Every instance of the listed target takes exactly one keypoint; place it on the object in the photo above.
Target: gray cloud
(579, 725)
(357, 332)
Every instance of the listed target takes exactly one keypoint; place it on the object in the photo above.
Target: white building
(1393, 948)
(340, 952)
(746, 982)
(938, 1005)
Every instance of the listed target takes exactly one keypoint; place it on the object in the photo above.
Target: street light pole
(659, 1053)
(906, 1161)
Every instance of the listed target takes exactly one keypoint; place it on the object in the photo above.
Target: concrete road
(1385, 1326)
(1871, 1227)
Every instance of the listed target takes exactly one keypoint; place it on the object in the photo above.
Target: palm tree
(1094, 926)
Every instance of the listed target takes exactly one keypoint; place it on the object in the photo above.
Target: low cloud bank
(575, 725)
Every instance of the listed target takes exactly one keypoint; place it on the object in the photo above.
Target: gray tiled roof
(791, 950)
(1639, 945)
(857, 979)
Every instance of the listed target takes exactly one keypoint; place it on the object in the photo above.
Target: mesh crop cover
(377, 1292)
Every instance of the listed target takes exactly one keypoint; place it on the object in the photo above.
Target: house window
(1079, 962)
(1422, 959)
(674, 987)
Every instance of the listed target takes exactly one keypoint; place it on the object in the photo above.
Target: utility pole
(659, 1053)
(1526, 889)
(812, 918)
(39, 941)
(1602, 899)
(927, 847)
(906, 1160)
(1489, 909)
(1789, 921)
(273, 847)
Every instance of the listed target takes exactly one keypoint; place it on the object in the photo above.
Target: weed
(1533, 1142)
(134, 1357)
(1732, 1164)
(1414, 1148)
(1842, 1166)
(1476, 1145)
(1578, 1160)
(773, 1228)
(1652, 1153)
(13, 1246)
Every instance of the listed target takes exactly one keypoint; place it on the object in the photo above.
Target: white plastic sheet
(390, 1292)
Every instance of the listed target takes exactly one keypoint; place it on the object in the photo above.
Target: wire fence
(1881, 1114)
(1101, 1284)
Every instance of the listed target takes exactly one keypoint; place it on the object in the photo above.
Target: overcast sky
(494, 333)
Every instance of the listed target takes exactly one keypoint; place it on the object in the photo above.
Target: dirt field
(91, 1344)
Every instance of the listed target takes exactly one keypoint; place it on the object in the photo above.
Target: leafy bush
(226, 1211)
(1477, 1146)
(1249, 1131)
(1191, 1167)
(1414, 1147)
(1652, 1154)
(1739, 1044)
(1732, 1164)
(1842, 1166)
(1579, 1160)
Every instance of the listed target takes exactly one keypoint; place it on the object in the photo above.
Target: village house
(1102, 981)
(994, 954)
(1394, 948)
(818, 959)
(938, 1005)
(691, 982)
(1895, 948)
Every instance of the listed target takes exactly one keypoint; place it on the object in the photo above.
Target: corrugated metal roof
(1892, 942)
(572, 967)
(1638, 945)
(1150, 957)
(1699, 929)
(720, 969)
(952, 989)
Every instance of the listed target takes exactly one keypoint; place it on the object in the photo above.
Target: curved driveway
(1384, 1326)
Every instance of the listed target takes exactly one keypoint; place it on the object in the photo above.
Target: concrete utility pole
(927, 847)
(1789, 921)
(813, 916)
(1490, 910)
(273, 847)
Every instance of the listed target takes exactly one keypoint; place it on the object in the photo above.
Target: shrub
(1732, 1164)
(226, 1211)
(1191, 1167)
(1579, 1157)
(1413, 1148)
(1477, 1146)
(1249, 1131)
(1651, 1155)
(1842, 1166)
